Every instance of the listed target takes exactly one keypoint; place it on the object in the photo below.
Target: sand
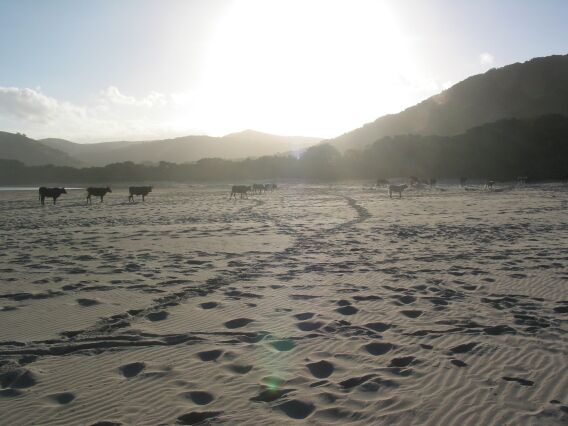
(311, 304)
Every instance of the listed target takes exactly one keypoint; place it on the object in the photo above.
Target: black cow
(97, 192)
(138, 190)
(239, 189)
(51, 193)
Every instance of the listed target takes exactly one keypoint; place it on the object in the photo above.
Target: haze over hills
(16, 146)
(521, 90)
(244, 144)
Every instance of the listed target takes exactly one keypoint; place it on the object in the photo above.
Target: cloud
(110, 115)
(26, 104)
(113, 96)
(486, 58)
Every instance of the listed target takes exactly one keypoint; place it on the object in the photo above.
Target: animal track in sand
(199, 397)
(87, 302)
(296, 409)
(62, 398)
(282, 345)
(132, 369)
(403, 361)
(458, 363)
(347, 310)
(411, 313)
(465, 348)
(209, 305)
(239, 368)
(209, 355)
(19, 378)
(196, 417)
(523, 382)
(379, 348)
(157, 316)
(321, 369)
(304, 316)
(378, 326)
(309, 325)
(238, 323)
(269, 395)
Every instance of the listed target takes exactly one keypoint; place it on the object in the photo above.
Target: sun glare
(299, 67)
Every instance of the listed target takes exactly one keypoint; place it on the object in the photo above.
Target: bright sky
(143, 69)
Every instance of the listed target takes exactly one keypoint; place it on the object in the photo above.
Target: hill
(15, 146)
(522, 90)
(184, 149)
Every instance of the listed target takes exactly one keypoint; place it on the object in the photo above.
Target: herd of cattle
(55, 193)
(257, 188)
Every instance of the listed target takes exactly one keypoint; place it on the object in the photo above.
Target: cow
(97, 192)
(397, 188)
(258, 188)
(138, 190)
(239, 189)
(489, 185)
(50, 193)
(273, 186)
(268, 187)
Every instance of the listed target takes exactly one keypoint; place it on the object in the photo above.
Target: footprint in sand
(309, 325)
(20, 378)
(208, 305)
(269, 395)
(132, 369)
(296, 409)
(282, 345)
(209, 355)
(523, 382)
(347, 310)
(199, 397)
(378, 348)
(239, 368)
(157, 316)
(304, 316)
(87, 302)
(403, 361)
(411, 313)
(237, 323)
(462, 349)
(196, 417)
(458, 363)
(62, 398)
(378, 326)
(321, 369)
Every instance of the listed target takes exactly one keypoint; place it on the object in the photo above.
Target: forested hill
(505, 149)
(522, 90)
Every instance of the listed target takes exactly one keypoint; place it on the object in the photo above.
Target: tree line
(537, 148)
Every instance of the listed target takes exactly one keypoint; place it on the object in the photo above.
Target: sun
(295, 67)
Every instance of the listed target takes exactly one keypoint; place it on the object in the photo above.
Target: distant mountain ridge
(248, 143)
(521, 90)
(16, 146)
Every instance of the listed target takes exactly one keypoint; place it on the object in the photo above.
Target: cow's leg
(142, 197)
(42, 200)
(54, 200)
(102, 198)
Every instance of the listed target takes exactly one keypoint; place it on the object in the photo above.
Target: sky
(104, 70)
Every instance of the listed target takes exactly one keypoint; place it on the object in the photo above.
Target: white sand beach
(311, 304)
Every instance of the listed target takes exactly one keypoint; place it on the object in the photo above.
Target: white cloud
(26, 104)
(486, 58)
(111, 115)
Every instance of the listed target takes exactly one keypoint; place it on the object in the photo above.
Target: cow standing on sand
(239, 189)
(97, 192)
(397, 188)
(50, 193)
(138, 190)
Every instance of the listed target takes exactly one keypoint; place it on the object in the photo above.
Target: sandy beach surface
(311, 304)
